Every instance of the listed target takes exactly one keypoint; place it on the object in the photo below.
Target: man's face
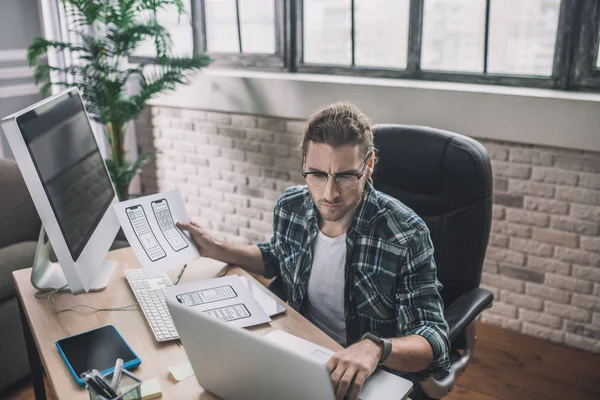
(333, 201)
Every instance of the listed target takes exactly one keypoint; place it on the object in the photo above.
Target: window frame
(557, 80)
(585, 75)
(573, 67)
(263, 61)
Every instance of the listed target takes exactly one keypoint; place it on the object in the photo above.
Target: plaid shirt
(391, 286)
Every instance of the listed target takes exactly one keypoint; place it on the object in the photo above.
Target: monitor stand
(48, 275)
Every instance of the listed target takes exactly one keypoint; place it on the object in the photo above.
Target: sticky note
(181, 372)
(151, 389)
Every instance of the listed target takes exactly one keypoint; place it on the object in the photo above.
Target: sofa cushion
(20, 221)
(14, 257)
(13, 354)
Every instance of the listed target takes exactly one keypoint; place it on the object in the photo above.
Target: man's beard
(339, 211)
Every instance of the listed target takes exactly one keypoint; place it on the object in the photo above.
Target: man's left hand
(350, 367)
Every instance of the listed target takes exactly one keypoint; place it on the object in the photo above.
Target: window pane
(180, 28)
(221, 26)
(327, 37)
(598, 54)
(453, 35)
(381, 32)
(522, 36)
(257, 20)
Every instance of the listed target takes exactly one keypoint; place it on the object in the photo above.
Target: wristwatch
(386, 344)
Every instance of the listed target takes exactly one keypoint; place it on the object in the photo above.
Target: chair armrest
(465, 309)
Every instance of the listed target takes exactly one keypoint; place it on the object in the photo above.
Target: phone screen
(142, 230)
(172, 234)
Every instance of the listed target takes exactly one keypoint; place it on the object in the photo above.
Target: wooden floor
(507, 366)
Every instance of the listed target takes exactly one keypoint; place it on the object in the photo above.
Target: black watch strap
(386, 344)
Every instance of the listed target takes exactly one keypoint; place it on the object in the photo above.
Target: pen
(106, 389)
(179, 274)
(116, 379)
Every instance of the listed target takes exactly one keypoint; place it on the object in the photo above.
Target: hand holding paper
(149, 225)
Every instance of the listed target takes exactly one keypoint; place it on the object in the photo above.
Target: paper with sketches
(225, 298)
(149, 225)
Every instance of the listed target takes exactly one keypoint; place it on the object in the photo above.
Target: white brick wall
(543, 258)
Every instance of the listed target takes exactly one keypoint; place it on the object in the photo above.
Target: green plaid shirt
(391, 285)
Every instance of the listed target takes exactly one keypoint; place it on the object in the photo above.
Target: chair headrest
(431, 170)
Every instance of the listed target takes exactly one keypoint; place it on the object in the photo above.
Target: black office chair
(446, 179)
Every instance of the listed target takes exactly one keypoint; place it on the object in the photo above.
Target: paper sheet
(181, 372)
(225, 298)
(149, 225)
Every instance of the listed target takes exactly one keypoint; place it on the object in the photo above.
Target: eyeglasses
(348, 181)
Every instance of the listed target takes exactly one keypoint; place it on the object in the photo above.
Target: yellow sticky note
(151, 389)
(181, 372)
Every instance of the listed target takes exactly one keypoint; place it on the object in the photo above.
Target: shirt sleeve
(268, 250)
(419, 303)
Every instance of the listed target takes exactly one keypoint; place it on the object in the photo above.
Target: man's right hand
(204, 240)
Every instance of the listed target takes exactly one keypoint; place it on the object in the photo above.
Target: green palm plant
(108, 32)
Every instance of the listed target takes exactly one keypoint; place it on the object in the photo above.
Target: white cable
(41, 293)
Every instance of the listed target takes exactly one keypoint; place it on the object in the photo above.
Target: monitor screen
(64, 151)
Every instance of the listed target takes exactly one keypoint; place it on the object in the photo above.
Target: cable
(40, 294)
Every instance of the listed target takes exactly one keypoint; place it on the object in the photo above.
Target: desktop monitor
(58, 156)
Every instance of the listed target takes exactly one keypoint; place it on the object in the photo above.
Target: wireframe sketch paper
(225, 298)
(149, 225)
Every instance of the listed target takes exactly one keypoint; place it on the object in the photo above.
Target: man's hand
(205, 242)
(352, 366)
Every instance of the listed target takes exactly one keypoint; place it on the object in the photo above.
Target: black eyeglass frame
(358, 175)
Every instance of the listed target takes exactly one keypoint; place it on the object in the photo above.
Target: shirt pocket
(375, 297)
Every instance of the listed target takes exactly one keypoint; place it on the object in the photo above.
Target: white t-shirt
(325, 304)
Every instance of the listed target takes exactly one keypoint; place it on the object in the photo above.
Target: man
(353, 260)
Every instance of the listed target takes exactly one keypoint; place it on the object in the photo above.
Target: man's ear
(370, 166)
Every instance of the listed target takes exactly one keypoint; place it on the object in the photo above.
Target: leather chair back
(446, 178)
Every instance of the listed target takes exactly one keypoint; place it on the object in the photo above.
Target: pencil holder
(129, 387)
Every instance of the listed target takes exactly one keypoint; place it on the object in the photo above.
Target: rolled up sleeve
(419, 303)
(267, 249)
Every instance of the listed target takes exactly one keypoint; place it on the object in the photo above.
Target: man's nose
(331, 190)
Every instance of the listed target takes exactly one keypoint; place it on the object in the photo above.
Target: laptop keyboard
(150, 294)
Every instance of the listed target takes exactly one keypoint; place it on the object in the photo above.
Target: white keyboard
(149, 293)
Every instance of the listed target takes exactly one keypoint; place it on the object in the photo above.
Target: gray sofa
(19, 230)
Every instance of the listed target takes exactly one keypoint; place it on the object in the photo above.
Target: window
(509, 42)
(180, 28)
(247, 33)
(522, 36)
(537, 43)
(453, 35)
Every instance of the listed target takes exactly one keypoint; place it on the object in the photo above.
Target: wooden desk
(45, 327)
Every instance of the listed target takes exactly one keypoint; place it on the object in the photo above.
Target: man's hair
(337, 125)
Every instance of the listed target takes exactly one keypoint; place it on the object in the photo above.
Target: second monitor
(59, 158)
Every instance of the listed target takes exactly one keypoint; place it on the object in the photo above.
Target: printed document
(225, 298)
(149, 225)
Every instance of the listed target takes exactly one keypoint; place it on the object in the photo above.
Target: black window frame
(574, 65)
(584, 74)
(570, 13)
(275, 61)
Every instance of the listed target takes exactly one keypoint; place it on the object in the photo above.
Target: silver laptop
(234, 363)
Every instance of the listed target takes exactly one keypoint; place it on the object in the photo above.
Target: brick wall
(543, 260)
